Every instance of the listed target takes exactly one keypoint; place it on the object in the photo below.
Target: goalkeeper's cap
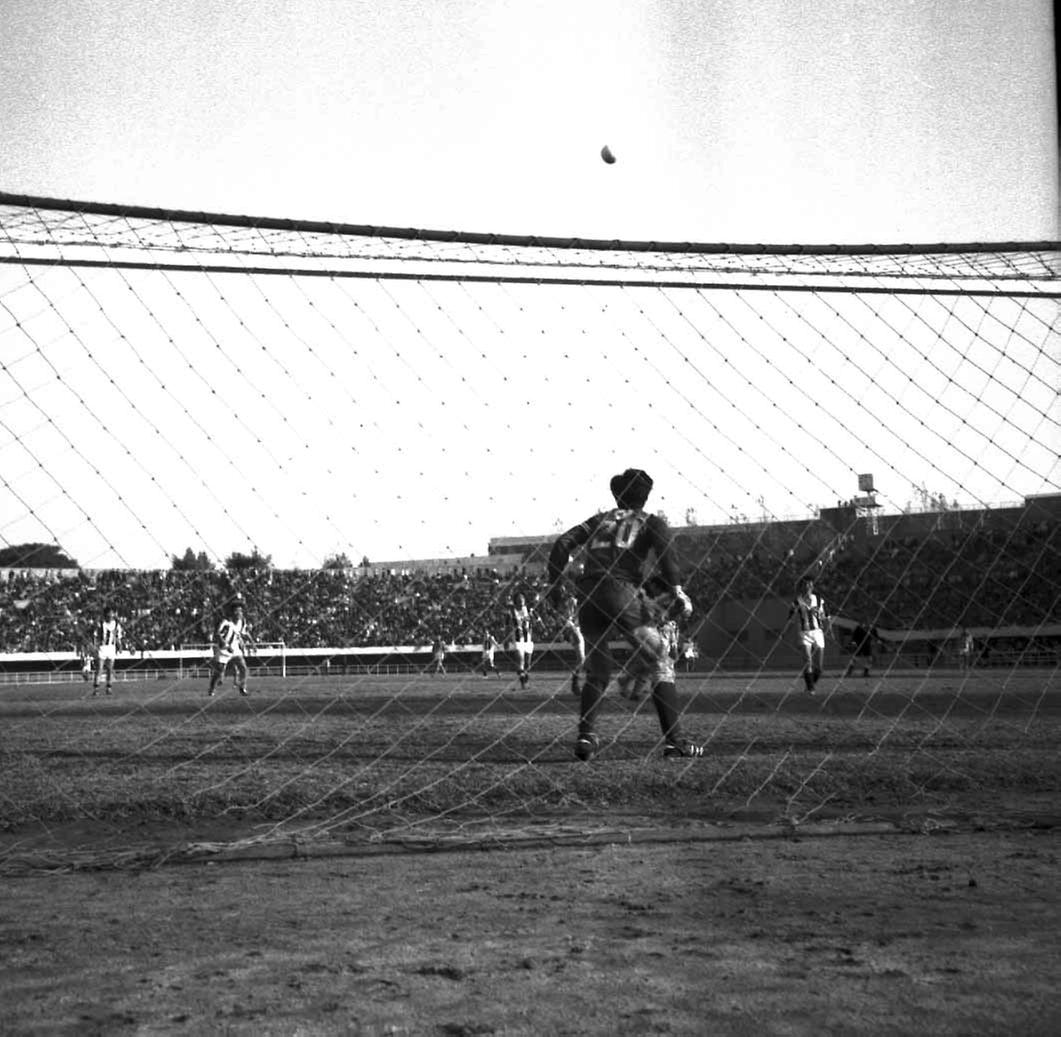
(631, 488)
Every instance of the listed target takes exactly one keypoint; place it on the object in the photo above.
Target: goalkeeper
(617, 545)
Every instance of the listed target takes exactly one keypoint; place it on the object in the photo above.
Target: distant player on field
(618, 542)
(864, 640)
(438, 657)
(572, 634)
(107, 639)
(522, 635)
(812, 618)
(490, 647)
(86, 654)
(688, 653)
(966, 649)
(231, 643)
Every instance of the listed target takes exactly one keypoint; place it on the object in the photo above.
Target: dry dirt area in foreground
(956, 933)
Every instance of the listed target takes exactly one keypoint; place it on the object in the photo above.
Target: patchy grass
(362, 753)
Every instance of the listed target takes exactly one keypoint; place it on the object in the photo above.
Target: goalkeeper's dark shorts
(608, 604)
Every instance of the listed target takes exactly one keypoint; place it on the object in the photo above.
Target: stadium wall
(919, 525)
(474, 565)
(751, 634)
(737, 636)
(34, 667)
(510, 555)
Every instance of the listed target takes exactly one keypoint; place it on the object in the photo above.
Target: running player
(664, 689)
(490, 647)
(661, 679)
(617, 544)
(966, 649)
(107, 639)
(522, 636)
(86, 654)
(864, 640)
(813, 617)
(231, 642)
(438, 657)
(572, 634)
(688, 653)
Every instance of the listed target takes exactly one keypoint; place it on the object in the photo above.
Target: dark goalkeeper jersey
(618, 543)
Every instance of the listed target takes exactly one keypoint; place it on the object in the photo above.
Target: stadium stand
(995, 570)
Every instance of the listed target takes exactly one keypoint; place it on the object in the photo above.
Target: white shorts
(812, 639)
(525, 647)
(106, 653)
(223, 658)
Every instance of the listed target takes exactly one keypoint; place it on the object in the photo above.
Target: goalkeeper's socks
(665, 699)
(592, 696)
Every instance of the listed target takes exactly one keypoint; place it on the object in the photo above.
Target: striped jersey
(521, 622)
(231, 634)
(671, 638)
(108, 632)
(810, 609)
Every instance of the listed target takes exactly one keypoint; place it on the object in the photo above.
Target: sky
(412, 420)
(732, 120)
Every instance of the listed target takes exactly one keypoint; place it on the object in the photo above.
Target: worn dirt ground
(945, 933)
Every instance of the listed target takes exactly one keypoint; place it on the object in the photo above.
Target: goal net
(371, 437)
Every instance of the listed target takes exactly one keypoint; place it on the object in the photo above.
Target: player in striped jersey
(661, 679)
(107, 638)
(490, 646)
(813, 618)
(522, 636)
(572, 633)
(231, 642)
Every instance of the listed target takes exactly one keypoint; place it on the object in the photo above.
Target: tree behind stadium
(35, 556)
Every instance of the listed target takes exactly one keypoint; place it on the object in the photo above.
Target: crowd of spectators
(982, 578)
(53, 610)
(985, 578)
(749, 563)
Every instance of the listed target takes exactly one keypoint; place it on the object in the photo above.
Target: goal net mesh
(371, 436)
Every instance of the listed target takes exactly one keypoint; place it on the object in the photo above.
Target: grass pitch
(371, 755)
